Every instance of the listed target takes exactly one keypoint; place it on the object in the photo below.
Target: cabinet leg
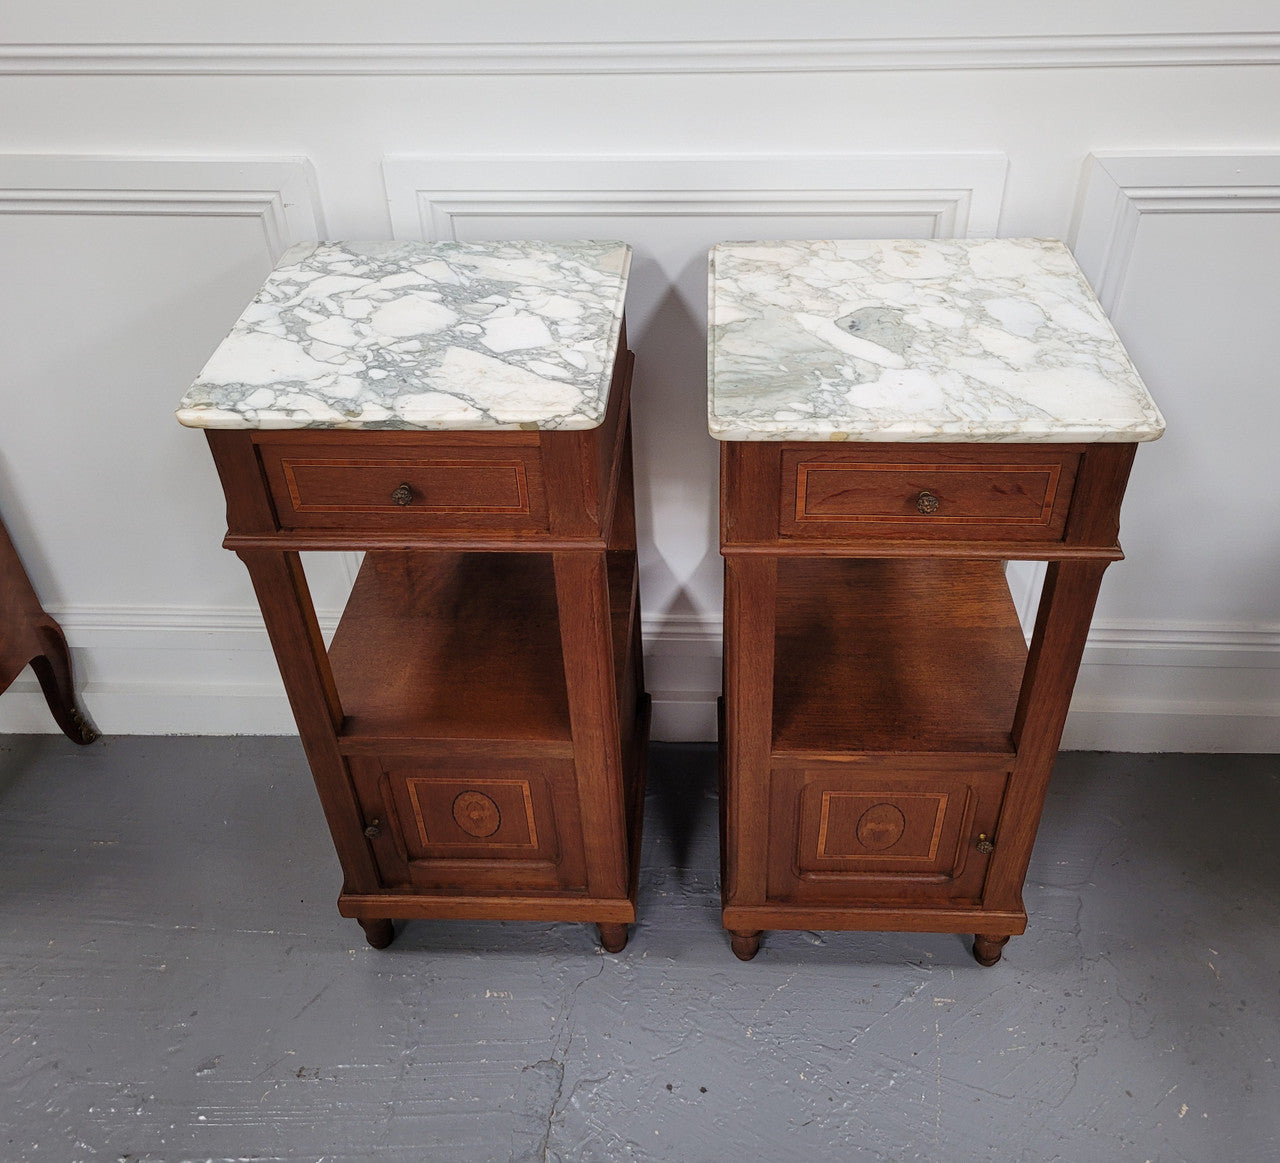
(379, 933)
(745, 944)
(987, 948)
(613, 937)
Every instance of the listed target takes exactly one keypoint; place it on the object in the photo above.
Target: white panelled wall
(153, 167)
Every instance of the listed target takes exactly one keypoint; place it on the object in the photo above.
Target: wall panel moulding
(959, 194)
(173, 656)
(1180, 247)
(279, 191)
(909, 54)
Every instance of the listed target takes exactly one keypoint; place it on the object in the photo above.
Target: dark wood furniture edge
(880, 919)
(590, 526)
(751, 483)
(31, 637)
(999, 550)
(471, 907)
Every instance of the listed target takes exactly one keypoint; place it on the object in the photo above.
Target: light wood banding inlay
(1002, 494)
(439, 486)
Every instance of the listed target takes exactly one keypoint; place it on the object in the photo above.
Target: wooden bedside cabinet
(477, 727)
(888, 444)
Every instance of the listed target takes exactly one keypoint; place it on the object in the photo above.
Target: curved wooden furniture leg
(613, 937)
(379, 933)
(29, 635)
(987, 949)
(53, 669)
(745, 945)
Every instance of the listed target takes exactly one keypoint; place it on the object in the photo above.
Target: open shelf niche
(906, 654)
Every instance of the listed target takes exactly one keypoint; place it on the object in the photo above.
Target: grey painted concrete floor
(175, 983)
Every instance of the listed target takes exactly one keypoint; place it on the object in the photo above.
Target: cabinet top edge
(413, 336)
(959, 340)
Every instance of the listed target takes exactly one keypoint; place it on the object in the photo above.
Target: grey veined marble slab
(441, 335)
(965, 340)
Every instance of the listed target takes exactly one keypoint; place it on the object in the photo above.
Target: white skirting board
(1140, 688)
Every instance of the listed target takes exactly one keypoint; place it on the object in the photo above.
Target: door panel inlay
(860, 824)
(448, 814)
(476, 814)
(881, 827)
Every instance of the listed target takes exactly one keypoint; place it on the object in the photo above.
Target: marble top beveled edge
(403, 336)
(795, 376)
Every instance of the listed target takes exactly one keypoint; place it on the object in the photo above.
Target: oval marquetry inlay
(881, 827)
(476, 814)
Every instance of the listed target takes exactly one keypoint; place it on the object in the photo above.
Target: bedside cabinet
(898, 420)
(459, 412)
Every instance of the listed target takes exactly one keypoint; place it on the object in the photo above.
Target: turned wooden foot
(745, 945)
(379, 933)
(613, 937)
(987, 949)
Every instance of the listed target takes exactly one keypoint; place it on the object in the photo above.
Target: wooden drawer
(368, 485)
(996, 492)
(891, 830)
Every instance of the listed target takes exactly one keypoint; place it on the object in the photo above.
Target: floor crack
(556, 1066)
(557, 1060)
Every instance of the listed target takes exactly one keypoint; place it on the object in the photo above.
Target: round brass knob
(984, 845)
(374, 829)
(927, 503)
(402, 495)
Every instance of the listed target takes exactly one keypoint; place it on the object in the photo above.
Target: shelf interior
(912, 654)
(436, 645)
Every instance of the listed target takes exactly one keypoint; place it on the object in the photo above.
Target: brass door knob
(402, 495)
(374, 830)
(984, 845)
(927, 503)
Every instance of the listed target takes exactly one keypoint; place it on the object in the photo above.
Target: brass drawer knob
(402, 495)
(984, 845)
(927, 503)
(374, 830)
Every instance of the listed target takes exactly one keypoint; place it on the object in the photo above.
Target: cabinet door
(890, 832)
(472, 826)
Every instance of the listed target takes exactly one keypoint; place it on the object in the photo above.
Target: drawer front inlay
(833, 494)
(1006, 493)
(442, 486)
(448, 487)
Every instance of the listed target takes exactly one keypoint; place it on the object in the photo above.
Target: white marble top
(441, 335)
(966, 340)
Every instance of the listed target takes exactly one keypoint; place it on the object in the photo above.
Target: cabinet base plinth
(754, 918)
(415, 907)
